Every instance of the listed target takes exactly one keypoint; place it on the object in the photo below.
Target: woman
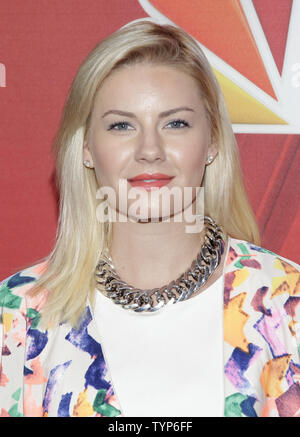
(107, 324)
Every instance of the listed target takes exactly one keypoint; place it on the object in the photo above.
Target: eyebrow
(161, 115)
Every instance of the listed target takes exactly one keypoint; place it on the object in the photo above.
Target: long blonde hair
(81, 237)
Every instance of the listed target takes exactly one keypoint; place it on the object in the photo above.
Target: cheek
(107, 163)
(193, 166)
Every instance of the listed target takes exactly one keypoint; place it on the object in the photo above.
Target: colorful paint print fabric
(62, 372)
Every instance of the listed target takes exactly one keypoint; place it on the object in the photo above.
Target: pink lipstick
(148, 181)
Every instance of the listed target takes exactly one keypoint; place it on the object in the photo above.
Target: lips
(148, 181)
(148, 176)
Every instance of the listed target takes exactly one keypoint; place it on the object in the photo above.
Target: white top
(168, 363)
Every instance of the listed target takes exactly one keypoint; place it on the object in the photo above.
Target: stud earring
(209, 159)
(87, 163)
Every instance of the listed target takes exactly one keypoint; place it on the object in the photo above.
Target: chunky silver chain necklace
(183, 288)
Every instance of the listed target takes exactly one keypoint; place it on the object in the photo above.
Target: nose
(150, 146)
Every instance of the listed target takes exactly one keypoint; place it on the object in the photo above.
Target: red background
(42, 44)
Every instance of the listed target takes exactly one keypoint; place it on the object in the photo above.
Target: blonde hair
(80, 237)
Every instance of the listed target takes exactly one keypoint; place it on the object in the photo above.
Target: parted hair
(81, 237)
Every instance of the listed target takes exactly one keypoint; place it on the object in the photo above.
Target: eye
(121, 125)
(179, 124)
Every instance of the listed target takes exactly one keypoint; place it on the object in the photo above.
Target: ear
(212, 152)
(86, 154)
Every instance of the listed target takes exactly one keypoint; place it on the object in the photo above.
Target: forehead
(130, 84)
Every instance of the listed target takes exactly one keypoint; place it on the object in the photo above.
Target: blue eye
(177, 123)
(123, 125)
(120, 124)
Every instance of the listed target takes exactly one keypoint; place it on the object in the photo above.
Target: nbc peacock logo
(255, 57)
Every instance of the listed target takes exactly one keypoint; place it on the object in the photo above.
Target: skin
(150, 143)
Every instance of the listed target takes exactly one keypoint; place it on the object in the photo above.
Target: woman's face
(148, 119)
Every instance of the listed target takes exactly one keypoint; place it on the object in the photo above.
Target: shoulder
(261, 281)
(258, 261)
(254, 275)
(15, 302)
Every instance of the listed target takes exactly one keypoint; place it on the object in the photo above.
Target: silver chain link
(183, 288)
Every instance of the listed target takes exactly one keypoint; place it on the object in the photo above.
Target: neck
(150, 255)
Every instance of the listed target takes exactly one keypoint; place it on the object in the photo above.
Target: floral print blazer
(62, 372)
